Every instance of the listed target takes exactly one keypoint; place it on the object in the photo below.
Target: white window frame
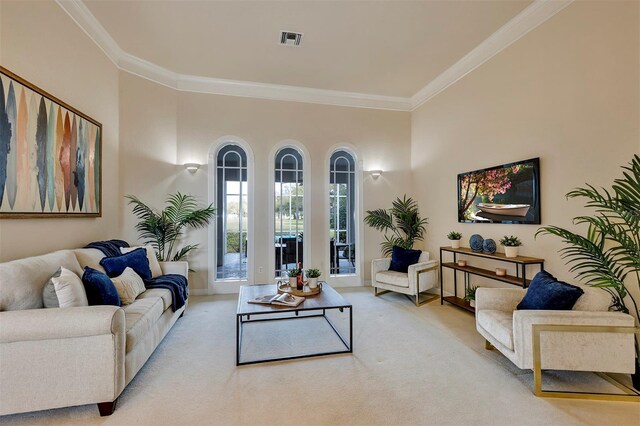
(347, 280)
(306, 203)
(226, 286)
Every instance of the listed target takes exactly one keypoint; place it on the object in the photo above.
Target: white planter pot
(511, 251)
(293, 282)
(472, 303)
(455, 243)
(313, 282)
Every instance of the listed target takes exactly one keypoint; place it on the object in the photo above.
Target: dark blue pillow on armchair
(136, 260)
(547, 293)
(401, 259)
(99, 288)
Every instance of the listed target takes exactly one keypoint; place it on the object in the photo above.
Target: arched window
(342, 213)
(289, 210)
(232, 212)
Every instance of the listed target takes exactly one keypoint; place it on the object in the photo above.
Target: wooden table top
(327, 299)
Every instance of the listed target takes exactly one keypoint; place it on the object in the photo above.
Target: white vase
(455, 243)
(472, 303)
(312, 282)
(293, 282)
(511, 251)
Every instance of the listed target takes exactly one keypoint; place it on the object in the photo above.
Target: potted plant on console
(312, 277)
(454, 237)
(511, 245)
(470, 296)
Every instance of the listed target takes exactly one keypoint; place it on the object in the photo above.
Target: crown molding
(531, 17)
(82, 16)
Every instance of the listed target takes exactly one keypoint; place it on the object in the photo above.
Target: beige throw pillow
(154, 265)
(129, 285)
(64, 290)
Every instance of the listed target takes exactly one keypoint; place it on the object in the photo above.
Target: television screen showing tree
(509, 193)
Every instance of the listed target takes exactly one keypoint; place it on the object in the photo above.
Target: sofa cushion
(64, 290)
(129, 285)
(154, 265)
(90, 257)
(162, 293)
(140, 316)
(499, 324)
(547, 293)
(399, 279)
(99, 287)
(136, 260)
(401, 259)
(22, 281)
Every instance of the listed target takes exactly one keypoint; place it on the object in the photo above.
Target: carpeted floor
(411, 365)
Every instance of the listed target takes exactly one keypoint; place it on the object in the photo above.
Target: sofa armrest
(579, 349)
(178, 267)
(379, 265)
(60, 323)
(499, 299)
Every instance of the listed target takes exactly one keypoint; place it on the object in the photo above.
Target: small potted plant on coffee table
(293, 277)
(455, 239)
(511, 245)
(470, 296)
(312, 277)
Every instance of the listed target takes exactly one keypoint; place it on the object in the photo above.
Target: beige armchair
(421, 277)
(587, 338)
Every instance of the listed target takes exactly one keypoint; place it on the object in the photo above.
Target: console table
(520, 279)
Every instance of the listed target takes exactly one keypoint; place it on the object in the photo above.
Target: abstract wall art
(50, 155)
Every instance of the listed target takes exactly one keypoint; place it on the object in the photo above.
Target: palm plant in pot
(608, 254)
(163, 229)
(402, 220)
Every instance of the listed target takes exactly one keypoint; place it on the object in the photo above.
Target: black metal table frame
(240, 322)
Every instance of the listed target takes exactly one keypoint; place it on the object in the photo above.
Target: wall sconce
(375, 174)
(192, 167)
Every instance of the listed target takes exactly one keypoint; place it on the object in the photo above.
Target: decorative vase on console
(475, 242)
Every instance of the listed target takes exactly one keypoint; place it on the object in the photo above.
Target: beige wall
(568, 92)
(151, 148)
(40, 43)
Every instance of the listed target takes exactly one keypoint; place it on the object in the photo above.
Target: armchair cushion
(402, 258)
(547, 293)
(399, 279)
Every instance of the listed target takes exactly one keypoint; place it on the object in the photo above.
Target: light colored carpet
(411, 365)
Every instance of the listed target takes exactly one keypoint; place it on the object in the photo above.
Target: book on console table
(283, 299)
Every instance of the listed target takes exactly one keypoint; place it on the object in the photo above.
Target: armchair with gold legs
(421, 276)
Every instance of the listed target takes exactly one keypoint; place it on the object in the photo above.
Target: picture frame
(50, 154)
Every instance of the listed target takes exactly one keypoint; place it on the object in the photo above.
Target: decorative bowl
(489, 246)
(475, 242)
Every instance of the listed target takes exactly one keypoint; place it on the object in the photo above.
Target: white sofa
(51, 358)
(585, 349)
(421, 276)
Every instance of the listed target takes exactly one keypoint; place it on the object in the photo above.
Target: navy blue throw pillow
(136, 260)
(401, 259)
(547, 293)
(99, 287)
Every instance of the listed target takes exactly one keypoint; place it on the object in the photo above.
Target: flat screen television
(509, 193)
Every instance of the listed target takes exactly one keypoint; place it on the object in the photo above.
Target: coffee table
(314, 306)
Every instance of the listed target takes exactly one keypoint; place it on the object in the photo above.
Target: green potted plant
(312, 277)
(163, 229)
(402, 220)
(293, 277)
(470, 295)
(608, 254)
(511, 245)
(454, 237)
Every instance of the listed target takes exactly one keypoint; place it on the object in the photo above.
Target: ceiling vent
(289, 38)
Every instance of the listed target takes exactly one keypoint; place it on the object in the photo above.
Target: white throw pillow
(154, 265)
(64, 290)
(129, 285)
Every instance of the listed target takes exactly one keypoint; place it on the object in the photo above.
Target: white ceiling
(390, 48)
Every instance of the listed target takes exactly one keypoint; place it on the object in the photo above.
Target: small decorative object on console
(475, 242)
(489, 246)
(455, 238)
(511, 245)
(501, 272)
(462, 263)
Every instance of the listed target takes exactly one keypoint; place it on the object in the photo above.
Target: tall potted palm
(163, 229)
(608, 255)
(402, 221)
